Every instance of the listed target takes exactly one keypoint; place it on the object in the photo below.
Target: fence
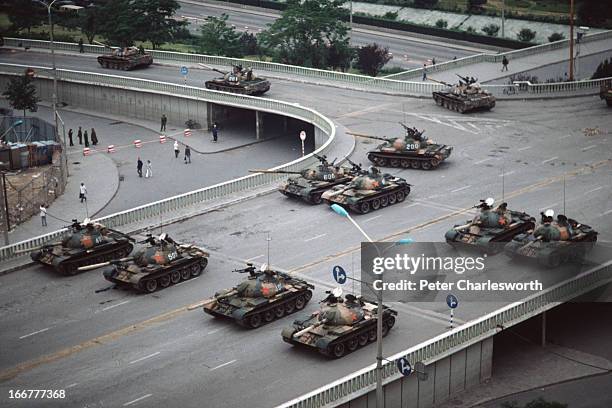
(155, 209)
(364, 381)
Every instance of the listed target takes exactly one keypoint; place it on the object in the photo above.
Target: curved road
(117, 348)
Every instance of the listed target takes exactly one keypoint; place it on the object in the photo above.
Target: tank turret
(264, 296)
(239, 80)
(340, 326)
(159, 264)
(491, 228)
(124, 58)
(466, 96)
(84, 243)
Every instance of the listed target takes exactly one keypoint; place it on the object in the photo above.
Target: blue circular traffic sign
(403, 366)
(184, 71)
(452, 301)
(339, 274)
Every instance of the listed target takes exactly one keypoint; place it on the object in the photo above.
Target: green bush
(556, 37)
(526, 35)
(390, 15)
(441, 23)
(491, 30)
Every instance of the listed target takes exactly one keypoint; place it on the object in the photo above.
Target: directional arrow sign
(404, 367)
(452, 301)
(184, 71)
(339, 274)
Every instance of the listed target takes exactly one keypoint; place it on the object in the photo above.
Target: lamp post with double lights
(379, 319)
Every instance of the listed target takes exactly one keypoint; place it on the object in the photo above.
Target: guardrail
(153, 210)
(364, 381)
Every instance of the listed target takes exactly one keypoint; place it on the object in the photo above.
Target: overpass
(356, 386)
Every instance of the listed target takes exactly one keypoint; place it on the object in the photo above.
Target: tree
(425, 3)
(604, 70)
(248, 44)
(475, 6)
(371, 58)
(24, 14)
(305, 31)
(340, 55)
(441, 23)
(491, 30)
(217, 38)
(556, 37)
(594, 12)
(21, 94)
(157, 24)
(526, 35)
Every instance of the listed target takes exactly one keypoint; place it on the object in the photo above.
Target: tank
(266, 295)
(490, 230)
(125, 59)
(414, 151)
(466, 96)
(240, 81)
(369, 192)
(605, 92)
(86, 243)
(310, 184)
(341, 326)
(553, 242)
(161, 263)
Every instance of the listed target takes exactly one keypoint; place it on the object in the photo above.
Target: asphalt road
(408, 52)
(117, 348)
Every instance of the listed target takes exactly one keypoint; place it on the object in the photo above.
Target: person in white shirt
(83, 192)
(149, 172)
(176, 149)
(43, 215)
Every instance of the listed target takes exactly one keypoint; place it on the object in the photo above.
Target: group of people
(164, 122)
(177, 151)
(140, 164)
(83, 137)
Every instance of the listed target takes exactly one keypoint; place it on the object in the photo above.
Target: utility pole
(503, 18)
(571, 47)
(351, 32)
(4, 211)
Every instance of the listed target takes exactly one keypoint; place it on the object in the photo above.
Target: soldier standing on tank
(504, 64)
(86, 138)
(70, 137)
(164, 119)
(94, 137)
(80, 136)
(215, 131)
(139, 167)
(187, 155)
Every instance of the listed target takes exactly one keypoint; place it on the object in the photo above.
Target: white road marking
(213, 331)
(33, 333)
(222, 365)
(188, 280)
(113, 306)
(373, 218)
(410, 205)
(71, 385)
(523, 148)
(593, 190)
(565, 137)
(136, 400)
(313, 238)
(607, 212)
(548, 207)
(144, 358)
(507, 174)
(589, 148)
(254, 258)
(460, 188)
(549, 160)
(484, 160)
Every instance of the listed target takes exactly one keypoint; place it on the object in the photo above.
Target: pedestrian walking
(83, 192)
(94, 137)
(424, 72)
(80, 136)
(70, 137)
(504, 64)
(86, 139)
(215, 131)
(176, 149)
(43, 215)
(433, 61)
(81, 50)
(139, 167)
(187, 155)
(149, 172)
(164, 120)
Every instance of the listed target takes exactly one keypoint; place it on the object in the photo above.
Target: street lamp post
(380, 402)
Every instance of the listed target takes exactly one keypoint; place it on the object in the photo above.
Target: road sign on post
(452, 302)
(339, 274)
(302, 138)
(403, 366)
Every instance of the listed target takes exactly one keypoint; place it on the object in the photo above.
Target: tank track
(172, 275)
(456, 105)
(233, 89)
(122, 65)
(408, 162)
(70, 267)
(344, 345)
(380, 200)
(294, 302)
(315, 195)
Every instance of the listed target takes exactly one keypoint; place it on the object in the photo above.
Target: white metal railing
(194, 197)
(363, 381)
(393, 83)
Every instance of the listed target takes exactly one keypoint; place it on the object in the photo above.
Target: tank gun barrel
(307, 329)
(275, 171)
(213, 69)
(440, 82)
(101, 264)
(36, 248)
